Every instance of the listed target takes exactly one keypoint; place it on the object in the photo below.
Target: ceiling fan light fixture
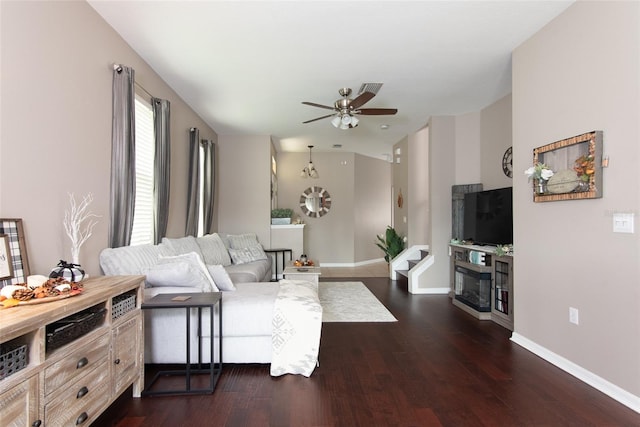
(345, 109)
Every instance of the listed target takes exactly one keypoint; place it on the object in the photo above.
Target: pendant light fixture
(309, 171)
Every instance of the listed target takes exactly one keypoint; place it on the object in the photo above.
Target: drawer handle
(36, 423)
(82, 418)
(117, 361)
(82, 363)
(82, 392)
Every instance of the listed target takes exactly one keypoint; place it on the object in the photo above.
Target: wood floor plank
(437, 366)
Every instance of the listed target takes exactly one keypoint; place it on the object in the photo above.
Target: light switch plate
(574, 316)
(623, 223)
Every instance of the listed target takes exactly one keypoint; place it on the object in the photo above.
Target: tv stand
(482, 283)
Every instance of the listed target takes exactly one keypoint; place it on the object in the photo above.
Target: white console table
(290, 236)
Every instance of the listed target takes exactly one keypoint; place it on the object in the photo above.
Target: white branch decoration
(73, 220)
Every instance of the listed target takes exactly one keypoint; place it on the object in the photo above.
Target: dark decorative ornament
(67, 271)
(507, 162)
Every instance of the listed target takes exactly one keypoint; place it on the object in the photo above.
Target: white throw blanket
(297, 323)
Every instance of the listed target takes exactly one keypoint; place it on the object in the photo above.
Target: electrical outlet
(574, 316)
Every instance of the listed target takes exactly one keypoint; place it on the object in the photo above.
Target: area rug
(351, 302)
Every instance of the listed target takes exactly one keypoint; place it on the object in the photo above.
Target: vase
(280, 221)
(541, 188)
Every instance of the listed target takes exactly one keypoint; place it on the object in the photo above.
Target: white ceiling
(245, 67)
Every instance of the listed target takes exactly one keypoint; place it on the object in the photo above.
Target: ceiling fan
(345, 109)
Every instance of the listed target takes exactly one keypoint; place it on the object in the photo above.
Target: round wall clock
(507, 163)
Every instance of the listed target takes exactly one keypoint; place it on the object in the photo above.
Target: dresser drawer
(81, 402)
(82, 360)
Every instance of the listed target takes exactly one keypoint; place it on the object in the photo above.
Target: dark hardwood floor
(436, 366)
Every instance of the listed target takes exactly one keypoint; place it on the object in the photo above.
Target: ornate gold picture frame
(576, 164)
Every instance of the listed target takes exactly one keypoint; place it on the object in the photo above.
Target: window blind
(142, 232)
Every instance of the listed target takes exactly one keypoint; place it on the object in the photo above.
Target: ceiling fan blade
(313, 104)
(318, 118)
(361, 99)
(377, 111)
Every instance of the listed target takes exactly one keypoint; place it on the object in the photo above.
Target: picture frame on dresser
(6, 268)
(16, 248)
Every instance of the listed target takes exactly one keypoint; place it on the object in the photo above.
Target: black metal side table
(189, 301)
(275, 252)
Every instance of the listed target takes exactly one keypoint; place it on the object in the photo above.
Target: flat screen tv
(488, 217)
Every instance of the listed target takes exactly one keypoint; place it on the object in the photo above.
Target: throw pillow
(221, 278)
(248, 254)
(176, 274)
(213, 250)
(197, 272)
(241, 241)
(182, 245)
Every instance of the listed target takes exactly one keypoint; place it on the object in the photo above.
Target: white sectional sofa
(234, 264)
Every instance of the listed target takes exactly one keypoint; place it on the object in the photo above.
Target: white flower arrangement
(539, 171)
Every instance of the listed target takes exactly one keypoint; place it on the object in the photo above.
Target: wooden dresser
(74, 382)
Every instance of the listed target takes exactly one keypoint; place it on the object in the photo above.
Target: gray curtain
(161, 109)
(123, 174)
(208, 182)
(193, 199)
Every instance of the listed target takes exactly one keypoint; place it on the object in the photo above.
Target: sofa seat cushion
(249, 310)
(256, 271)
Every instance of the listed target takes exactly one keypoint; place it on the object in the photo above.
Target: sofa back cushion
(241, 241)
(182, 245)
(214, 251)
(132, 259)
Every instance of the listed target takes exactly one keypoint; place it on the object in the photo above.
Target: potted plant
(391, 243)
(281, 216)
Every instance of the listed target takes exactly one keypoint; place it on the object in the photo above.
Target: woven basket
(68, 329)
(13, 357)
(122, 304)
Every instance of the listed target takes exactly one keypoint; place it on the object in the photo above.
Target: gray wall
(581, 73)
(359, 187)
(56, 69)
(244, 185)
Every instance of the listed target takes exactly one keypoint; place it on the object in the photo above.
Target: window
(201, 155)
(143, 232)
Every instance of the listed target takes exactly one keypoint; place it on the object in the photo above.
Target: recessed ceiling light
(384, 127)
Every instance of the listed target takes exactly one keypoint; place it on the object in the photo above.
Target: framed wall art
(569, 169)
(6, 269)
(12, 241)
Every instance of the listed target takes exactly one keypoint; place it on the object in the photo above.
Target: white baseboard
(628, 399)
(431, 291)
(351, 264)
